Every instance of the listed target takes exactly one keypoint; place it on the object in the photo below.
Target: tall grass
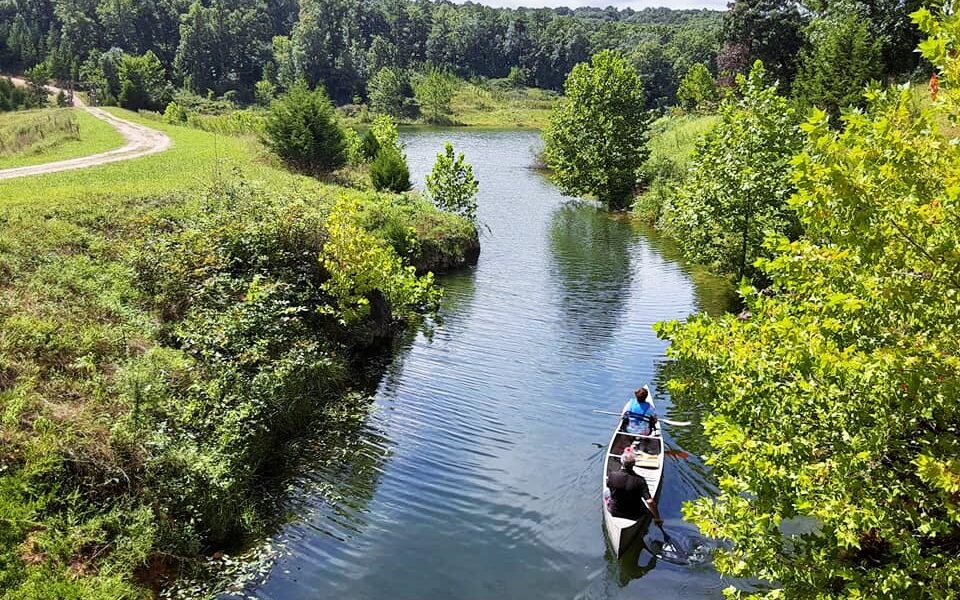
(36, 131)
(672, 143)
(46, 135)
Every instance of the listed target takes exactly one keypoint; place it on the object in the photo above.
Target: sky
(634, 4)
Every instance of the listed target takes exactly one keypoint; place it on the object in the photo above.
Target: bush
(451, 185)
(697, 89)
(389, 171)
(302, 130)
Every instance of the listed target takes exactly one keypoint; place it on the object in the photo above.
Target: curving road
(140, 141)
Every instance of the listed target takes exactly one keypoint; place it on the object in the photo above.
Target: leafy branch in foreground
(833, 398)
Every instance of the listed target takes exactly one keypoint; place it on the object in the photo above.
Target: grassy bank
(169, 326)
(672, 142)
(38, 136)
(487, 105)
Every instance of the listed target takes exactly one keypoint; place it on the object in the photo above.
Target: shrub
(385, 90)
(451, 185)
(303, 131)
(389, 171)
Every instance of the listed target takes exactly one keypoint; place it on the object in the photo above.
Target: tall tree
(842, 59)
(597, 139)
(771, 31)
(739, 180)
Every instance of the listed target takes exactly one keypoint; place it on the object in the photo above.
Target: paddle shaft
(661, 419)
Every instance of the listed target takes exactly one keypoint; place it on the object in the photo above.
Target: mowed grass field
(35, 137)
(197, 158)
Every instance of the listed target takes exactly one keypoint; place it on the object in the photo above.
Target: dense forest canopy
(224, 46)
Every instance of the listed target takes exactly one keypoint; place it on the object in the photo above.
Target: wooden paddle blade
(678, 454)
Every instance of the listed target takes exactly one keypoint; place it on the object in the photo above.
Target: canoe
(622, 532)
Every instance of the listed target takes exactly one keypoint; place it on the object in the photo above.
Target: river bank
(172, 327)
(477, 471)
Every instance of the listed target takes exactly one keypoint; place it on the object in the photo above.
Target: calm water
(477, 474)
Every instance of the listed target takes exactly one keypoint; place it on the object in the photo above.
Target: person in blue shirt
(639, 417)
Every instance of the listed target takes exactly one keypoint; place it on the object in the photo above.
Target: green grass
(47, 135)
(672, 143)
(197, 158)
(166, 338)
(489, 105)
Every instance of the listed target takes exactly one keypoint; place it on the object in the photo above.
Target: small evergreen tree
(451, 185)
(697, 89)
(389, 171)
(302, 130)
(369, 145)
(842, 61)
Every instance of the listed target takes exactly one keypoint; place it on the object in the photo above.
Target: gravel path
(140, 141)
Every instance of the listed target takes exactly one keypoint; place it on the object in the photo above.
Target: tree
(832, 397)
(739, 180)
(302, 129)
(142, 82)
(843, 59)
(770, 31)
(697, 89)
(656, 72)
(597, 138)
(434, 91)
(389, 171)
(451, 185)
(385, 90)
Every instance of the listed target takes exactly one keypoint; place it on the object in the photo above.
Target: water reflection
(590, 255)
(477, 474)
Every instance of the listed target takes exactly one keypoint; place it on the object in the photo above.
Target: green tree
(697, 89)
(385, 90)
(832, 397)
(770, 31)
(844, 57)
(451, 185)
(369, 145)
(142, 82)
(389, 170)
(739, 180)
(434, 91)
(597, 138)
(302, 129)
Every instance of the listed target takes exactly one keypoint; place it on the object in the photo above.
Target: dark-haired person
(639, 417)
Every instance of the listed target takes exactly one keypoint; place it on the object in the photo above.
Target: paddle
(671, 551)
(661, 419)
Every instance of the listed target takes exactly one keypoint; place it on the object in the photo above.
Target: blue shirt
(635, 412)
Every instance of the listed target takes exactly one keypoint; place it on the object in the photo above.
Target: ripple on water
(477, 475)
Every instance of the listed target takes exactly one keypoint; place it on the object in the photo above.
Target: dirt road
(140, 141)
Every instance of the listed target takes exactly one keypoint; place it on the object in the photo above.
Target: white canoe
(623, 532)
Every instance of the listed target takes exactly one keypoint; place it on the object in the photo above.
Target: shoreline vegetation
(172, 327)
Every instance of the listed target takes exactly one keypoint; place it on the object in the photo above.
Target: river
(477, 473)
